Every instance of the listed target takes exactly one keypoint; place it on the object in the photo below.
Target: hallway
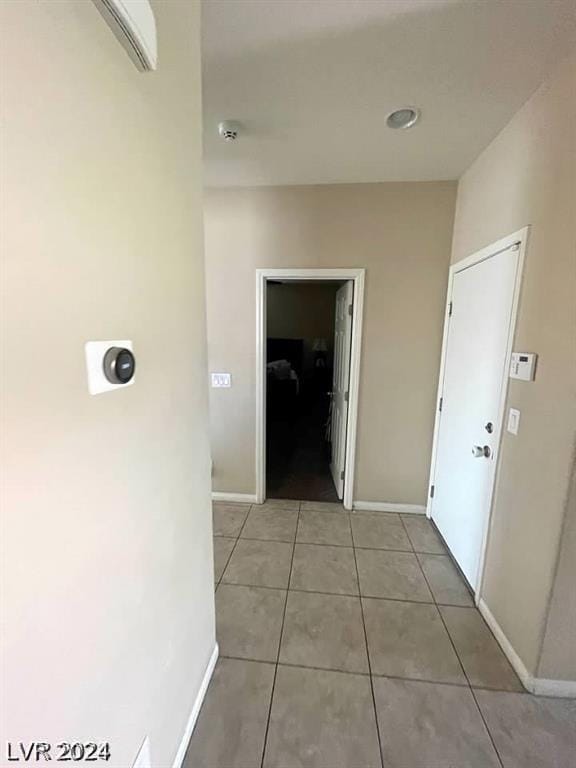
(350, 640)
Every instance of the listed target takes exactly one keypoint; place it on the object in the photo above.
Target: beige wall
(528, 176)
(107, 559)
(558, 659)
(401, 234)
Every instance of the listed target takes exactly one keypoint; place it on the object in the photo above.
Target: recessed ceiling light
(403, 118)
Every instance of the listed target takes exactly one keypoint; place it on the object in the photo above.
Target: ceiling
(312, 82)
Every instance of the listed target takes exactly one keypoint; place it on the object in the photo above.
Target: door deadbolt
(489, 427)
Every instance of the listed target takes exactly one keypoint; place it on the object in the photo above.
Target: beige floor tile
(447, 585)
(321, 719)
(423, 535)
(324, 528)
(231, 727)
(409, 640)
(249, 621)
(485, 664)
(530, 731)
(429, 725)
(222, 550)
(290, 504)
(259, 564)
(321, 506)
(378, 530)
(228, 519)
(319, 568)
(324, 631)
(271, 524)
(396, 575)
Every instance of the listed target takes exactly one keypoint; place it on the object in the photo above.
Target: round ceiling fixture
(405, 117)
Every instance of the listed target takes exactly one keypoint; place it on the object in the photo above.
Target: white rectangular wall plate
(523, 366)
(95, 351)
(143, 758)
(513, 421)
(221, 380)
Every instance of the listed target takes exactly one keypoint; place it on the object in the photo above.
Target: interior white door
(341, 383)
(482, 298)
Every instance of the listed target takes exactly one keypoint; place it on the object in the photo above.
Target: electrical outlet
(221, 380)
(143, 757)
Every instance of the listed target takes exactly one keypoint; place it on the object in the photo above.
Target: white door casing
(357, 277)
(482, 300)
(341, 383)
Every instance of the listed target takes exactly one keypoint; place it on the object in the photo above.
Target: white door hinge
(342, 475)
(432, 491)
(450, 307)
(346, 396)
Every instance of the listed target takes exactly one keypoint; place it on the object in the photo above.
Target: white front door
(475, 356)
(341, 383)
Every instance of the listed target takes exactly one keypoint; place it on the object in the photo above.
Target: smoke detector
(229, 130)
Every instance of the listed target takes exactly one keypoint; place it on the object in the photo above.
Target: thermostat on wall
(109, 365)
(523, 366)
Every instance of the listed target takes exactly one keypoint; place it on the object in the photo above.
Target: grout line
(233, 548)
(376, 675)
(367, 651)
(265, 742)
(463, 670)
(322, 544)
(340, 594)
(486, 726)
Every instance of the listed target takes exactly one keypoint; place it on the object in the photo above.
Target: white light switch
(513, 421)
(143, 758)
(221, 380)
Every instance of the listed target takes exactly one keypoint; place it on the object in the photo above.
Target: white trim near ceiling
(518, 239)
(262, 275)
(386, 506)
(195, 711)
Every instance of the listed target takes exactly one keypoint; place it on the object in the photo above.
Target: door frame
(326, 275)
(519, 238)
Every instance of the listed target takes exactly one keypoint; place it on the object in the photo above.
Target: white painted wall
(107, 592)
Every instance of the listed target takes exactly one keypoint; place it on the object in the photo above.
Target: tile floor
(351, 641)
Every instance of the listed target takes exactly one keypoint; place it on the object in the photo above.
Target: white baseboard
(234, 498)
(181, 754)
(536, 685)
(505, 644)
(385, 506)
(562, 689)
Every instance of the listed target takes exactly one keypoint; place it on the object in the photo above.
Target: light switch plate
(513, 421)
(94, 352)
(221, 380)
(143, 757)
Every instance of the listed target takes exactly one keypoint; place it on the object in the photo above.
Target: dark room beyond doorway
(299, 355)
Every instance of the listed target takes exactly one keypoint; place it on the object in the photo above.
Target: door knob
(481, 450)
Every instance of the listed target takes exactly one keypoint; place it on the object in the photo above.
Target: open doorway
(308, 349)
(299, 379)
